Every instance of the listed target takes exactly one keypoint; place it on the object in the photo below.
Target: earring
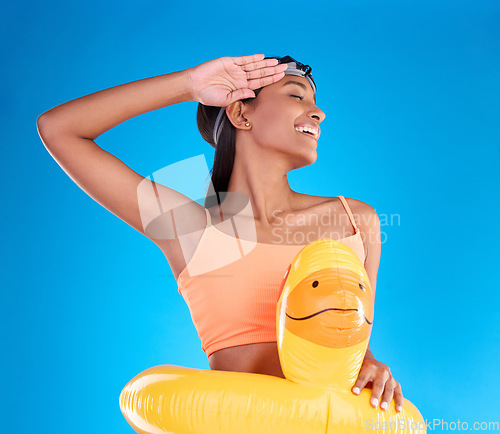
(247, 124)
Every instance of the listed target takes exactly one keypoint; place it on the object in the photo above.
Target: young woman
(261, 116)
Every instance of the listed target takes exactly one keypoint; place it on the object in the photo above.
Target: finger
(257, 83)
(361, 382)
(388, 394)
(260, 64)
(242, 60)
(240, 94)
(398, 398)
(378, 388)
(265, 72)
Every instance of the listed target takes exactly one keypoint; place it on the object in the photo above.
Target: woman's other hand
(383, 384)
(220, 82)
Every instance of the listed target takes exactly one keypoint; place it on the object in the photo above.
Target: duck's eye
(315, 284)
(361, 287)
(297, 96)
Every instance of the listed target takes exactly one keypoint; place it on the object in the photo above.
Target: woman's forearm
(90, 116)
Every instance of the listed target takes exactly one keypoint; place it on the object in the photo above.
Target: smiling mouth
(325, 310)
(321, 311)
(311, 135)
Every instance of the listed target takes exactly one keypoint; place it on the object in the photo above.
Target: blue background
(411, 94)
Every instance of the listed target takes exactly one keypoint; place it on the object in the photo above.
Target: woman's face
(285, 119)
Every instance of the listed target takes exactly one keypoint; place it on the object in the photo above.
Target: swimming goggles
(296, 68)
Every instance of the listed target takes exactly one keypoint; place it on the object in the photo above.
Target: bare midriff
(260, 358)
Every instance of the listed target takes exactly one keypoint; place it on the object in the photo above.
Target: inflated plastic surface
(324, 320)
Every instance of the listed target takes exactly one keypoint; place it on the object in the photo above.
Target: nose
(317, 114)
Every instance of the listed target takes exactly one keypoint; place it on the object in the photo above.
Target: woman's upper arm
(369, 225)
(110, 182)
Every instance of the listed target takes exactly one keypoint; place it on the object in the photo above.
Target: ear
(237, 113)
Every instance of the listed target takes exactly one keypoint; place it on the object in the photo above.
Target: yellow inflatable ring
(324, 320)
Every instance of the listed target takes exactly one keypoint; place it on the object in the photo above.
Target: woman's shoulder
(356, 206)
(364, 215)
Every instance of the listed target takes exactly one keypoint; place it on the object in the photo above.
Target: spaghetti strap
(209, 218)
(349, 213)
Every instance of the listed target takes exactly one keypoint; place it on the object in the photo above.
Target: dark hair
(225, 150)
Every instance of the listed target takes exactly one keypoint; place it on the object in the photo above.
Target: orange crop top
(235, 304)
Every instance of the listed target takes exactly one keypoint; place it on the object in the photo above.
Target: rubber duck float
(324, 318)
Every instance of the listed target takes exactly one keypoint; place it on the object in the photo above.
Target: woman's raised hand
(222, 81)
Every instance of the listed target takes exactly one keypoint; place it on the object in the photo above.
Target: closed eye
(297, 96)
